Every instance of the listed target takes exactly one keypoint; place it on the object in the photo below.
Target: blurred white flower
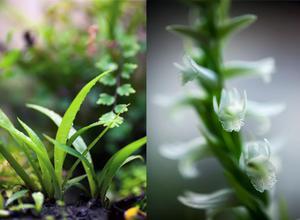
(232, 109)
(255, 160)
(262, 113)
(264, 68)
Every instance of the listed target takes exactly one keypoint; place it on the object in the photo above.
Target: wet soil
(81, 210)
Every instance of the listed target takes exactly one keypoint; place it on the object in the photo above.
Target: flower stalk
(248, 169)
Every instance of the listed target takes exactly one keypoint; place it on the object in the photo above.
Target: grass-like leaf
(89, 168)
(78, 143)
(46, 175)
(67, 122)
(21, 207)
(92, 144)
(81, 131)
(187, 31)
(18, 168)
(15, 196)
(114, 164)
(41, 154)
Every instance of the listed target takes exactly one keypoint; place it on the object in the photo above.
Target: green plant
(131, 180)
(247, 166)
(55, 67)
(50, 179)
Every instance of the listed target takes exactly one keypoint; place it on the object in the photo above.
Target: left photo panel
(73, 109)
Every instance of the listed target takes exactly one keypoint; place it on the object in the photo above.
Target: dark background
(275, 34)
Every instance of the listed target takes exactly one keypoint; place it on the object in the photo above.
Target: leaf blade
(114, 164)
(67, 122)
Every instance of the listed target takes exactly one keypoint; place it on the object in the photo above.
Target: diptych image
(135, 110)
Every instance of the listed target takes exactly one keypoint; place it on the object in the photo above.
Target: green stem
(90, 146)
(229, 142)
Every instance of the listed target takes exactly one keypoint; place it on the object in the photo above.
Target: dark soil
(82, 210)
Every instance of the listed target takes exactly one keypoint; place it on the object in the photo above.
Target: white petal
(178, 150)
(263, 109)
(215, 105)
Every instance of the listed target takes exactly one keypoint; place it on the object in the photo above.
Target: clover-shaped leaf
(121, 108)
(108, 80)
(105, 99)
(111, 119)
(128, 69)
(125, 90)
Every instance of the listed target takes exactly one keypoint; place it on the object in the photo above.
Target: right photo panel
(222, 109)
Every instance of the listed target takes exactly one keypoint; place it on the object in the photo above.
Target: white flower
(264, 68)
(255, 160)
(232, 109)
(188, 153)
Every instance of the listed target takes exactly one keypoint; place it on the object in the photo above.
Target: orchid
(256, 162)
(232, 109)
(250, 171)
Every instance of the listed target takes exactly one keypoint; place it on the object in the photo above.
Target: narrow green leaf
(235, 24)
(74, 181)
(187, 31)
(82, 131)
(132, 158)
(21, 207)
(1, 202)
(22, 138)
(113, 165)
(91, 145)
(78, 143)
(67, 122)
(46, 176)
(18, 168)
(6, 124)
(15, 196)
(88, 166)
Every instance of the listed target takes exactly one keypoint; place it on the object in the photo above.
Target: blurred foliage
(130, 181)
(8, 177)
